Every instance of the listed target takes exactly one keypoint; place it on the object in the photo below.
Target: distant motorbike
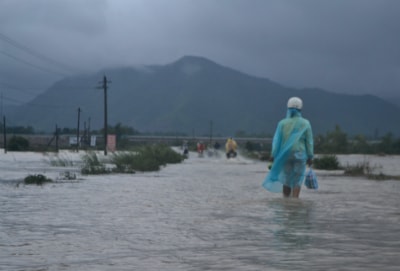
(231, 154)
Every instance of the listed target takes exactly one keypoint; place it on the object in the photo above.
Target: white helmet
(295, 102)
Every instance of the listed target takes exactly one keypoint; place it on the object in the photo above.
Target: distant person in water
(185, 148)
(230, 148)
(216, 145)
(292, 149)
(200, 147)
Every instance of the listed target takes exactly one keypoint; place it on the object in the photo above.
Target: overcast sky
(347, 46)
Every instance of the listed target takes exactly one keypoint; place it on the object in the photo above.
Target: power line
(49, 95)
(11, 100)
(32, 65)
(18, 102)
(50, 105)
(36, 54)
(17, 88)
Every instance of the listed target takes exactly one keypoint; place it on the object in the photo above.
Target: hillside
(186, 95)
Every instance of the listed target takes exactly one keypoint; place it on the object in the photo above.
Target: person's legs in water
(294, 173)
(286, 191)
(297, 176)
(296, 192)
(288, 171)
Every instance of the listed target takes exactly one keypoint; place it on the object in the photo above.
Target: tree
(360, 145)
(386, 145)
(333, 142)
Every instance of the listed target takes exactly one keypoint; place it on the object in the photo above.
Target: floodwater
(207, 213)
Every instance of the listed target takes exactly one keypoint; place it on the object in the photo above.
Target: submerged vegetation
(327, 162)
(359, 169)
(145, 158)
(365, 169)
(92, 164)
(58, 161)
(38, 179)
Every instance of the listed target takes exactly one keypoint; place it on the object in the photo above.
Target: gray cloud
(343, 45)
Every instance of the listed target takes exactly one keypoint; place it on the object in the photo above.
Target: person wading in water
(292, 149)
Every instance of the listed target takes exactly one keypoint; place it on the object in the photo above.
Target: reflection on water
(294, 219)
(204, 214)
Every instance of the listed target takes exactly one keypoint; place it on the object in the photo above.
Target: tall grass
(92, 164)
(145, 158)
(58, 161)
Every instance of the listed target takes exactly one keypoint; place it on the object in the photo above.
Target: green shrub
(124, 162)
(146, 161)
(327, 162)
(146, 158)
(92, 165)
(18, 143)
(38, 179)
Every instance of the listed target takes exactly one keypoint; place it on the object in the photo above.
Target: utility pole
(56, 135)
(104, 87)
(4, 134)
(211, 131)
(77, 130)
(84, 134)
(88, 133)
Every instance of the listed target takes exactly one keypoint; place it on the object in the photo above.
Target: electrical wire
(32, 65)
(17, 88)
(36, 54)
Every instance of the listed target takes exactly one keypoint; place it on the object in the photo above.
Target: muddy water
(205, 214)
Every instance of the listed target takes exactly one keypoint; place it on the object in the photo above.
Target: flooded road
(204, 214)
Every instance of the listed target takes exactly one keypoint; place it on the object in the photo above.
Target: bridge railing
(205, 139)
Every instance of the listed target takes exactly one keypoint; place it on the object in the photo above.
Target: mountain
(393, 99)
(186, 95)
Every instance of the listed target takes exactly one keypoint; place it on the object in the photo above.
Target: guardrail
(205, 139)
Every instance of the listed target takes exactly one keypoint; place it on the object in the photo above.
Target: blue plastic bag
(311, 181)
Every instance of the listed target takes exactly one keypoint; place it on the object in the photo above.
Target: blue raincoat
(292, 145)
